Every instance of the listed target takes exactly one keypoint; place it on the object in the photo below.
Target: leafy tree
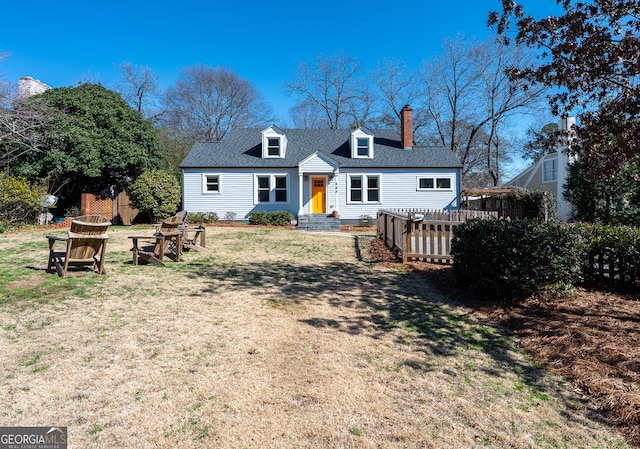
(540, 142)
(19, 198)
(612, 200)
(157, 193)
(174, 147)
(206, 102)
(93, 140)
(591, 54)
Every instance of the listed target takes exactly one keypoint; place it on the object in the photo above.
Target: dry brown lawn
(273, 339)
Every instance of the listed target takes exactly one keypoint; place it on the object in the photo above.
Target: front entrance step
(318, 222)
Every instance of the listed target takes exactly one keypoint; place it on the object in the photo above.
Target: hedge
(516, 259)
(276, 218)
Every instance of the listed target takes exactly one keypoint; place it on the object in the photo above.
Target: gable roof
(242, 148)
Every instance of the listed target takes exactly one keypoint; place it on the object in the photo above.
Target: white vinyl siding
(236, 193)
(397, 190)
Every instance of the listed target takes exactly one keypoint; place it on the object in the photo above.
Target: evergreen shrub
(515, 259)
(202, 217)
(157, 193)
(276, 218)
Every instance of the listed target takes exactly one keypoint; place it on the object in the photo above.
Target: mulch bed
(590, 335)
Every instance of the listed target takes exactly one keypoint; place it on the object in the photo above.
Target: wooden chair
(193, 237)
(180, 217)
(86, 244)
(167, 241)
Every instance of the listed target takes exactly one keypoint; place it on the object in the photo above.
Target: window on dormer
(273, 146)
(362, 146)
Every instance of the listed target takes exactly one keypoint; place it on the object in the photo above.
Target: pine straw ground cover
(590, 335)
(273, 339)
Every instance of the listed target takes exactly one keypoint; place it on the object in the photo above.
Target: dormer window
(274, 142)
(362, 144)
(273, 146)
(363, 147)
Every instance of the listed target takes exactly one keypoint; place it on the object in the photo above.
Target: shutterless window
(425, 183)
(550, 170)
(212, 183)
(434, 183)
(373, 189)
(363, 146)
(355, 190)
(281, 189)
(273, 146)
(263, 189)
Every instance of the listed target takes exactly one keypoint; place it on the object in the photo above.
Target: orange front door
(318, 195)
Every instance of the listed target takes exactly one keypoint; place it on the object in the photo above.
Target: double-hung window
(280, 190)
(263, 189)
(363, 146)
(550, 170)
(272, 189)
(364, 188)
(210, 183)
(273, 146)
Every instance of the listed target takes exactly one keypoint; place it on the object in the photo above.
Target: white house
(550, 172)
(315, 171)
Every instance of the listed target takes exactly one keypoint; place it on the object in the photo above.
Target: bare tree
(21, 132)
(471, 100)
(139, 87)
(331, 92)
(396, 86)
(206, 102)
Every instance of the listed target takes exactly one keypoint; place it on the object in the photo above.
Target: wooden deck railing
(423, 234)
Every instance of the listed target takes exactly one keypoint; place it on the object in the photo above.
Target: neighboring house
(28, 86)
(312, 171)
(550, 172)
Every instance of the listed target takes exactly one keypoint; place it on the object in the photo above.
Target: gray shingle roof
(242, 148)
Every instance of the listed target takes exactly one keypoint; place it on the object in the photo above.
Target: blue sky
(67, 42)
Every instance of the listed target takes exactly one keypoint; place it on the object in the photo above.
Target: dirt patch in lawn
(590, 335)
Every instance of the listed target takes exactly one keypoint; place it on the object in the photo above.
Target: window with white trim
(273, 146)
(280, 189)
(550, 170)
(434, 183)
(210, 183)
(263, 189)
(361, 144)
(274, 142)
(364, 189)
(271, 189)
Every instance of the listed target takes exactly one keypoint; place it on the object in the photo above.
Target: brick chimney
(406, 127)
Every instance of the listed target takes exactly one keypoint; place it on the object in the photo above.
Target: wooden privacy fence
(423, 234)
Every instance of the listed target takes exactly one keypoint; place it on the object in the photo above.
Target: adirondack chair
(167, 241)
(86, 244)
(193, 237)
(180, 217)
